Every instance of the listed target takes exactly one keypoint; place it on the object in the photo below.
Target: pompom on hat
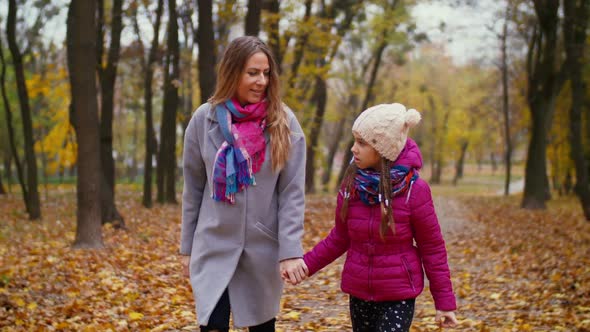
(385, 127)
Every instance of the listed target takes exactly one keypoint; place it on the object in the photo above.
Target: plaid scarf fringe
(234, 166)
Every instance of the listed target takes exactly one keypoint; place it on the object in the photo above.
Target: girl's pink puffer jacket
(389, 270)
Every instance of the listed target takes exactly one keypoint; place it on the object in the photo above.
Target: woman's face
(365, 156)
(254, 79)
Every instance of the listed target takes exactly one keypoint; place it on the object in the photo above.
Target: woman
(243, 198)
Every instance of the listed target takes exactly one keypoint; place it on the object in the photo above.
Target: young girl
(382, 208)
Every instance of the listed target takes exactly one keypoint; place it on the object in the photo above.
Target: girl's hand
(185, 261)
(293, 270)
(446, 318)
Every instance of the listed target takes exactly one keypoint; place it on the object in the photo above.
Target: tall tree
(544, 83)
(575, 25)
(151, 144)
(185, 14)
(166, 169)
(252, 22)
(11, 137)
(505, 101)
(81, 44)
(206, 40)
(272, 24)
(108, 76)
(33, 203)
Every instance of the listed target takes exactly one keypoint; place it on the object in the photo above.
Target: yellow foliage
(58, 145)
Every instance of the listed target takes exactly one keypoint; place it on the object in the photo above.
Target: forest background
(99, 94)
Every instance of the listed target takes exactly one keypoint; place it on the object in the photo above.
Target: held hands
(445, 318)
(185, 261)
(293, 271)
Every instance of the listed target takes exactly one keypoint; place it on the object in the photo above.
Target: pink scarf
(242, 153)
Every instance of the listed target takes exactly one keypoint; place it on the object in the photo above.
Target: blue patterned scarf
(244, 149)
(366, 183)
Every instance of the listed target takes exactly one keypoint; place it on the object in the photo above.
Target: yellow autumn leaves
(49, 93)
(512, 270)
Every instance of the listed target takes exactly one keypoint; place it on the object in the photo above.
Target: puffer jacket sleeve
(195, 178)
(330, 248)
(431, 246)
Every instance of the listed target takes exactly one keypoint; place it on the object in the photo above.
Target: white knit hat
(385, 127)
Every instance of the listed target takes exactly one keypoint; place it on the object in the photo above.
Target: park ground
(512, 269)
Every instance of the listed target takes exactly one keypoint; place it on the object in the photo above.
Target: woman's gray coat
(239, 246)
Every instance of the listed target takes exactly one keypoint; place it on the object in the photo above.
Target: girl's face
(254, 79)
(365, 156)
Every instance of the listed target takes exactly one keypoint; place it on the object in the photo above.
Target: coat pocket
(266, 231)
(409, 272)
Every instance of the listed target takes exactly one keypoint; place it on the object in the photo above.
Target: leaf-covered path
(513, 270)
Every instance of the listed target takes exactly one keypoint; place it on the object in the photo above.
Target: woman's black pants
(219, 319)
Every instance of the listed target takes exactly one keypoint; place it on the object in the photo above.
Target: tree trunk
(133, 166)
(187, 77)
(505, 106)
(299, 47)
(108, 80)
(544, 85)
(33, 201)
(206, 41)
(81, 46)
(274, 35)
(224, 23)
(460, 162)
(333, 149)
(574, 25)
(167, 156)
(434, 152)
(493, 162)
(151, 145)
(8, 170)
(535, 185)
(321, 96)
(11, 139)
(252, 23)
(44, 164)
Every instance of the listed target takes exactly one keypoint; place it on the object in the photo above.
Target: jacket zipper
(410, 278)
(371, 253)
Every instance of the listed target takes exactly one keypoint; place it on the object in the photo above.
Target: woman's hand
(185, 261)
(294, 270)
(446, 318)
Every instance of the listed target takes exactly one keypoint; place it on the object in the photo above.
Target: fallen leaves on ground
(513, 270)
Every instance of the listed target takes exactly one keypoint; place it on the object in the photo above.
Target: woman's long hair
(229, 74)
(387, 220)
